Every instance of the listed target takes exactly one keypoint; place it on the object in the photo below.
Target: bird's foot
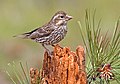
(50, 53)
(53, 45)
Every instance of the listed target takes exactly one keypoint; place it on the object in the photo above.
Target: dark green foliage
(100, 49)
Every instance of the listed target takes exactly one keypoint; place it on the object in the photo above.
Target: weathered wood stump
(64, 67)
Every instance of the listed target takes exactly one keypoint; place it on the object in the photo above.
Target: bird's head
(61, 18)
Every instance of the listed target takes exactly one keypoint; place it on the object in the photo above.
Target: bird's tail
(23, 36)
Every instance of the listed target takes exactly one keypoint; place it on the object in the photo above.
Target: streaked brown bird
(52, 32)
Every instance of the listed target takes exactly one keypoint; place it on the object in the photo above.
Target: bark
(64, 67)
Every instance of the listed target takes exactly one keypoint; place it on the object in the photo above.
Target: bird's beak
(68, 17)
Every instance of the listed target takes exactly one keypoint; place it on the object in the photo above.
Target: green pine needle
(100, 49)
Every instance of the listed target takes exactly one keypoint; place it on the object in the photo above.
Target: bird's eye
(62, 16)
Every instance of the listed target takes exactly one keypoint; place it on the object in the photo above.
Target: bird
(51, 33)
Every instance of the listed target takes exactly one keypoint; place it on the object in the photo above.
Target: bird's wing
(43, 31)
(40, 32)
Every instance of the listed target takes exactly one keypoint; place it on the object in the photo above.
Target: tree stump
(64, 67)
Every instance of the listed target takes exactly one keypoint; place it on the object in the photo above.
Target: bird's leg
(49, 52)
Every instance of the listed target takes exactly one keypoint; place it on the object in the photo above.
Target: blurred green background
(19, 16)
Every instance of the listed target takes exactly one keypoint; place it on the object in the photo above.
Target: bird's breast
(56, 36)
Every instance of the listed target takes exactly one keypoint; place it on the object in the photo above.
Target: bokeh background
(19, 16)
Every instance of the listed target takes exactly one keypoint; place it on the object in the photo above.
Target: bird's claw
(50, 53)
